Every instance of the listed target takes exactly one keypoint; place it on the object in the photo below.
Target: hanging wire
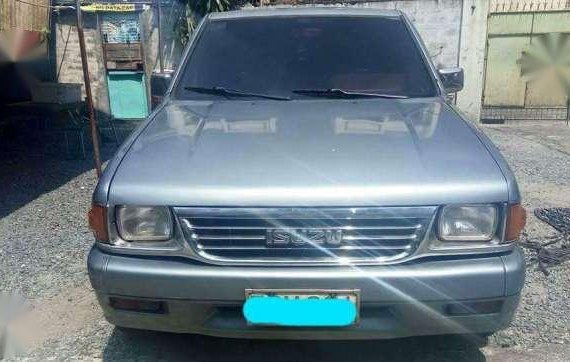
(546, 254)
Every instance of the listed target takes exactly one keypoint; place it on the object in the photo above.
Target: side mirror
(452, 79)
(159, 83)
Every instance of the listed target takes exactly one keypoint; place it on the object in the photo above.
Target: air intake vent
(305, 234)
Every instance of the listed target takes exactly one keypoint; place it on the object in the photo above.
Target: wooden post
(87, 81)
(158, 12)
(568, 110)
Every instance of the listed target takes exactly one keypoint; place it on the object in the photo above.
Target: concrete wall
(65, 45)
(472, 56)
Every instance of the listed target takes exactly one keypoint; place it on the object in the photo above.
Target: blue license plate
(301, 308)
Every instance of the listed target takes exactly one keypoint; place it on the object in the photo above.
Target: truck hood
(307, 153)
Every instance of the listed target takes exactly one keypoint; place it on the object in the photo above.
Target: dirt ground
(44, 242)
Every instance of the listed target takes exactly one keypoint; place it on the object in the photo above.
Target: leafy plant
(203, 7)
(194, 10)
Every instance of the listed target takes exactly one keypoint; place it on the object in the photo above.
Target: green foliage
(203, 7)
(194, 10)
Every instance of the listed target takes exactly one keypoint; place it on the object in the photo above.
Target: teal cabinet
(127, 95)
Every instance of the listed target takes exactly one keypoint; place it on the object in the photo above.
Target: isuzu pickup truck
(306, 176)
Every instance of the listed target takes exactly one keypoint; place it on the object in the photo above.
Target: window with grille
(121, 28)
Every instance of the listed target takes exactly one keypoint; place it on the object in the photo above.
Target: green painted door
(127, 95)
(527, 60)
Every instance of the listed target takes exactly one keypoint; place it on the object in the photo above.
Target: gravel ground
(540, 157)
(44, 242)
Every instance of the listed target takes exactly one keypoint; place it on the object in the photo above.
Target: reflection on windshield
(243, 126)
(185, 120)
(367, 126)
(423, 120)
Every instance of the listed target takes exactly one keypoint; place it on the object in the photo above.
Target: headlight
(143, 223)
(468, 222)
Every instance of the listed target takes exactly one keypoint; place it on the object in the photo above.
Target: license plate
(301, 308)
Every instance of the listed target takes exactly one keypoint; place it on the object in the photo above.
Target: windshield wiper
(342, 93)
(234, 92)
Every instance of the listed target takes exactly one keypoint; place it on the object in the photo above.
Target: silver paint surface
(409, 300)
(308, 153)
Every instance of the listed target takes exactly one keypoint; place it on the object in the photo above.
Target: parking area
(44, 241)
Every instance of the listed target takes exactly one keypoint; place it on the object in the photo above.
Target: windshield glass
(278, 55)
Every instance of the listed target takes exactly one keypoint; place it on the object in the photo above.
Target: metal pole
(91, 110)
(160, 60)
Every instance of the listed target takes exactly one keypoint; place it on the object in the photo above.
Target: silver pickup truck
(306, 177)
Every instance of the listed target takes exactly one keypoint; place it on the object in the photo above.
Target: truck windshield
(278, 56)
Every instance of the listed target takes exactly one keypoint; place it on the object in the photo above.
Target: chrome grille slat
(305, 212)
(347, 247)
(346, 237)
(383, 237)
(230, 237)
(301, 227)
(364, 234)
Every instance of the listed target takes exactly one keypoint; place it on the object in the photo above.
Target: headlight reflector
(468, 222)
(144, 223)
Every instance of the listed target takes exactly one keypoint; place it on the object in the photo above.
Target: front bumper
(419, 298)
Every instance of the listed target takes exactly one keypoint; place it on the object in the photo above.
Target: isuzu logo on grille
(302, 237)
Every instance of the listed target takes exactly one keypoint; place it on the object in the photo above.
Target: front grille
(305, 234)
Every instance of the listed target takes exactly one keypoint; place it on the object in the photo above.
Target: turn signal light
(98, 222)
(515, 222)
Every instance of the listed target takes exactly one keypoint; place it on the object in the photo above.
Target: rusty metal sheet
(123, 51)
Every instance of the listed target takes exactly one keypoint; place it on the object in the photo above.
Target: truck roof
(304, 11)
